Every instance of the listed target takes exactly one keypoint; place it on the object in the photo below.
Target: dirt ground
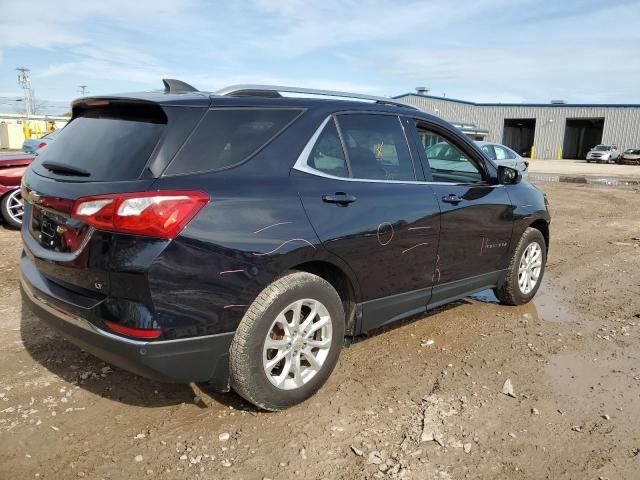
(397, 406)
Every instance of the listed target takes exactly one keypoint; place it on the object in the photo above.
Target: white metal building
(556, 130)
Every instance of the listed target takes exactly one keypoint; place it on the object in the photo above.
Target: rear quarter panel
(253, 230)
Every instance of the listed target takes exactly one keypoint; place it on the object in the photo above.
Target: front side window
(376, 147)
(449, 164)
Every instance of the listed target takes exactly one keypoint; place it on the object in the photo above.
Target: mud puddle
(599, 180)
(611, 381)
(547, 305)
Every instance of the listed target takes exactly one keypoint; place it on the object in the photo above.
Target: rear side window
(327, 155)
(376, 147)
(228, 136)
(105, 148)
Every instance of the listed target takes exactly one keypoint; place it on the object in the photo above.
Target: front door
(476, 215)
(359, 188)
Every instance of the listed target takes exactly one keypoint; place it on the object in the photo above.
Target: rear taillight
(42, 145)
(160, 214)
(142, 333)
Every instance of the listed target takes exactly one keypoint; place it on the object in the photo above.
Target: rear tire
(288, 342)
(11, 209)
(525, 271)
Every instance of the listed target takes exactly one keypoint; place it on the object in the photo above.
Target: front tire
(525, 271)
(12, 209)
(288, 342)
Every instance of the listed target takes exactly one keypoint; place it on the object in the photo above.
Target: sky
(480, 50)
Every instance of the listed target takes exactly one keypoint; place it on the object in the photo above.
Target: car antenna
(172, 85)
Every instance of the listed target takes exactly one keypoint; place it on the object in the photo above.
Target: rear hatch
(111, 148)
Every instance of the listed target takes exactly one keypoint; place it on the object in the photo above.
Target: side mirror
(508, 175)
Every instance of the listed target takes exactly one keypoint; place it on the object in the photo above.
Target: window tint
(376, 147)
(108, 149)
(228, 136)
(327, 154)
(448, 163)
(503, 153)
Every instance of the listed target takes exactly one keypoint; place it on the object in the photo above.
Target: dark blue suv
(240, 238)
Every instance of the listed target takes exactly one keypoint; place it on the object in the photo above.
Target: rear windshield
(228, 136)
(100, 149)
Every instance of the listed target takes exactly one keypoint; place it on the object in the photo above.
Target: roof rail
(273, 91)
(177, 86)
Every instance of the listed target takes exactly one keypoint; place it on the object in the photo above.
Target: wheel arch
(345, 285)
(543, 226)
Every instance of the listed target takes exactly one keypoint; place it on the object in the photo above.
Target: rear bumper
(197, 359)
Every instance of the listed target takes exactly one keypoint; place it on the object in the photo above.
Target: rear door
(358, 185)
(476, 218)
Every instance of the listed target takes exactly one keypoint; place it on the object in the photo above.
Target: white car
(604, 153)
(502, 155)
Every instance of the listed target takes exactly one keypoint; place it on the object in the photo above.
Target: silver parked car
(502, 155)
(631, 156)
(604, 154)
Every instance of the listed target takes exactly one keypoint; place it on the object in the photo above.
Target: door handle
(340, 198)
(452, 198)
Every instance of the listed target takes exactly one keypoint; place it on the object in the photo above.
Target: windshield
(602, 148)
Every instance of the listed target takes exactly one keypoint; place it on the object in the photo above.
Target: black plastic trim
(196, 359)
(452, 291)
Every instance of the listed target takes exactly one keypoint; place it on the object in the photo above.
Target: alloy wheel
(297, 344)
(530, 268)
(15, 207)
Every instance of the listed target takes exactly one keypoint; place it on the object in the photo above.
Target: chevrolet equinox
(241, 238)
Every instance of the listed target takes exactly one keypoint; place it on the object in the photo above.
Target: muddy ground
(396, 406)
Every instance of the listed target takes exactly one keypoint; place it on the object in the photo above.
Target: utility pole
(24, 81)
(82, 90)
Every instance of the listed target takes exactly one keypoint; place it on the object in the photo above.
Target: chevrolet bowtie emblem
(33, 197)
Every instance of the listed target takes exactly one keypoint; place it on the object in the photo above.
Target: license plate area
(55, 231)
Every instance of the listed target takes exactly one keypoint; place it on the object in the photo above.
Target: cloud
(103, 38)
(307, 26)
(506, 50)
(538, 63)
(61, 24)
(108, 63)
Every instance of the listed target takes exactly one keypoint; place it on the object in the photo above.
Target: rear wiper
(64, 169)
